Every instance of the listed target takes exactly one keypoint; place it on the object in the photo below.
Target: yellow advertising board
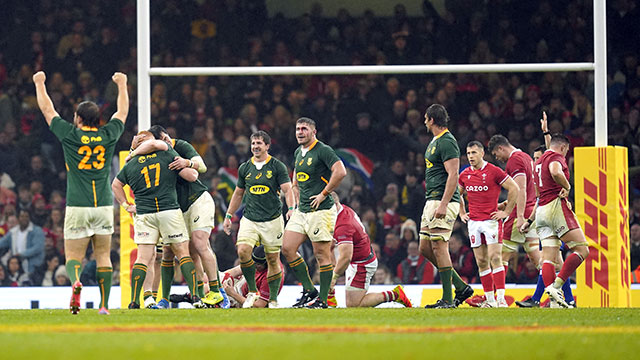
(128, 249)
(602, 206)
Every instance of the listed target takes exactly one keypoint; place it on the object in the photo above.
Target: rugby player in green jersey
(260, 180)
(198, 209)
(88, 150)
(318, 171)
(442, 159)
(157, 212)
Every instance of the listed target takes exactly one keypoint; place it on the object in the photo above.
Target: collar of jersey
(514, 150)
(482, 168)
(253, 159)
(442, 133)
(173, 142)
(89, 128)
(312, 145)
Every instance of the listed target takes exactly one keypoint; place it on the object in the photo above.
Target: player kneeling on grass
(157, 212)
(482, 182)
(359, 261)
(235, 284)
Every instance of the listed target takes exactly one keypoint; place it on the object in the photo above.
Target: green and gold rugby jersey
(188, 192)
(262, 188)
(153, 184)
(442, 148)
(313, 171)
(87, 154)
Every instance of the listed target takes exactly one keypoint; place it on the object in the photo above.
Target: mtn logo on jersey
(259, 189)
(86, 139)
(302, 177)
(144, 158)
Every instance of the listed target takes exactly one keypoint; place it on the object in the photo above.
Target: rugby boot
(163, 304)
(529, 303)
(476, 300)
(462, 295)
(306, 298)
(557, 295)
(212, 298)
(402, 297)
(74, 304)
(445, 305)
(103, 311)
(178, 298)
(134, 305)
(317, 304)
(332, 302)
(225, 304)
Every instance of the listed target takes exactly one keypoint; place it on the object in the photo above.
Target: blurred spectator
(45, 275)
(15, 272)
(4, 278)
(527, 273)
(415, 269)
(392, 251)
(382, 276)
(391, 220)
(26, 241)
(61, 277)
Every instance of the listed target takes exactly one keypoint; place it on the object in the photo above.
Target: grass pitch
(333, 333)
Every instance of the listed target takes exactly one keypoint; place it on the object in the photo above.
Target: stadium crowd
(80, 44)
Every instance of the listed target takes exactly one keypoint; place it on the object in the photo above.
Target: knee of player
(582, 251)
(483, 263)
(244, 253)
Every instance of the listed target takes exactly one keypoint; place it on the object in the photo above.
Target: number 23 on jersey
(87, 151)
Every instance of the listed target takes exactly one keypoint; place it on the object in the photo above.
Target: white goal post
(145, 71)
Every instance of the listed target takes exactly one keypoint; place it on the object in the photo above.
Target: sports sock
(138, 273)
(189, 273)
(104, 276)
(498, 278)
(74, 269)
(457, 281)
(214, 286)
(486, 278)
(154, 294)
(301, 272)
(147, 294)
(570, 265)
(200, 289)
(166, 272)
(548, 273)
(389, 296)
(249, 271)
(445, 278)
(568, 293)
(274, 285)
(537, 295)
(326, 273)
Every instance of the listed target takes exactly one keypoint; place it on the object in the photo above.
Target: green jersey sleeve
(449, 149)
(185, 149)
(60, 127)
(283, 175)
(242, 172)
(328, 156)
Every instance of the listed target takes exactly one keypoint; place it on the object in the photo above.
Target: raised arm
(44, 101)
(544, 125)
(123, 96)
(148, 147)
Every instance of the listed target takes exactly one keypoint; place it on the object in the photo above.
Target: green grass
(347, 334)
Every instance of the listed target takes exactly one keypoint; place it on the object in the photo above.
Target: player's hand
(226, 225)
(316, 200)
(544, 126)
(564, 193)
(519, 222)
(502, 205)
(179, 163)
(441, 211)
(289, 214)
(119, 78)
(131, 208)
(525, 227)
(464, 217)
(39, 77)
(499, 215)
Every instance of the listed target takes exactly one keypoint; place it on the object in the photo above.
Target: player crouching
(359, 261)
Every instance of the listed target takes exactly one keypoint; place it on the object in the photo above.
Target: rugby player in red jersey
(482, 183)
(555, 221)
(519, 166)
(359, 262)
